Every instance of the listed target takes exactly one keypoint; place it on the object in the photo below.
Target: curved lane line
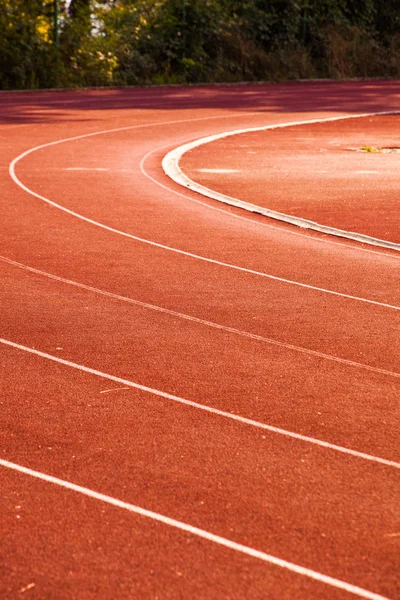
(19, 183)
(201, 533)
(171, 168)
(215, 411)
(225, 328)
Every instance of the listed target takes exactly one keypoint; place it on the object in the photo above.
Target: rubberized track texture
(198, 401)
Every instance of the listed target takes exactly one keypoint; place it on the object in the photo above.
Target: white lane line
(134, 127)
(366, 172)
(171, 168)
(114, 390)
(26, 588)
(201, 533)
(215, 411)
(170, 248)
(225, 328)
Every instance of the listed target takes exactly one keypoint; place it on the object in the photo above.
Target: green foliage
(27, 58)
(119, 42)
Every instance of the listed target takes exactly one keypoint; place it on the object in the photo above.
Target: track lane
(211, 366)
(197, 320)
(105, 551)
(230, 415)
(242, 472)
(240, 301)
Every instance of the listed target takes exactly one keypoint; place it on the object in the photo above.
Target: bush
(131, 42)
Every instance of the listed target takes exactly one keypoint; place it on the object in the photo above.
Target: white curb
(171, 167)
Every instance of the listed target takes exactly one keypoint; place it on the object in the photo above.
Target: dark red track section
(319, 359)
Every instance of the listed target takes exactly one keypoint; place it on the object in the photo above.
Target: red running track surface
(235, 377)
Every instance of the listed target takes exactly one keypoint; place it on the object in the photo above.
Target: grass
(370, 149)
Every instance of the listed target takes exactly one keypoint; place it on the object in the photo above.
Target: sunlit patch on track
(86, 169)
(222, 171)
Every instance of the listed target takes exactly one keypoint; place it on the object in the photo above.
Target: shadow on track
(299, 97)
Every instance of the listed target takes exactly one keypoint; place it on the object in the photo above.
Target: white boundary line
(225, 328)
(203, 407)
(171, 168)
(201, 533)
(19, 183)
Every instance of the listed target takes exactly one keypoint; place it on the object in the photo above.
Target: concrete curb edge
(170, 164)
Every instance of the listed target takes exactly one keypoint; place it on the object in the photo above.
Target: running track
(196, 402)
